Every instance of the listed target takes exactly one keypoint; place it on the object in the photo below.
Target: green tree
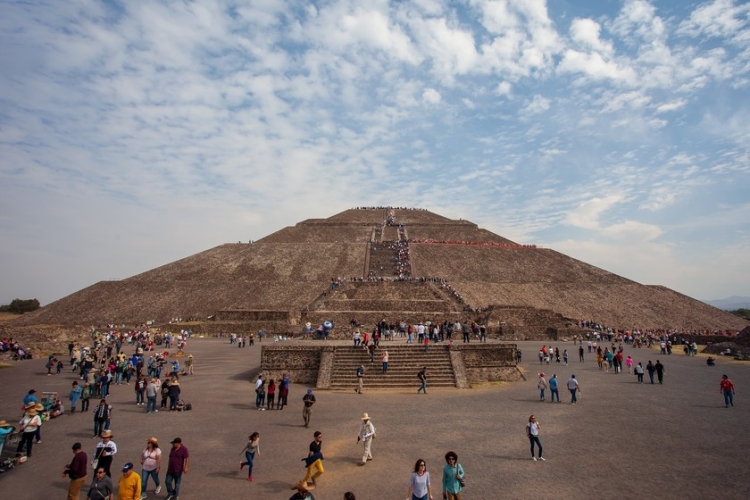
(20, 306)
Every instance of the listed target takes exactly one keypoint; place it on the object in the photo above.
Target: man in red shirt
(726, 387)
(178, 465)
(76, 471)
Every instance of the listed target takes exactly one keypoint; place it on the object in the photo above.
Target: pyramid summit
(375, 263)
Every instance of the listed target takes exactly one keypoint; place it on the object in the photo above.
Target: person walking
(251, 449)
(574, 388)
(385, 362)
(366, 435)
(308, 400)
(532, 432)
(179, 458)
(29, 425)
(453, 475)
(726, 387)
(101, 487)
(553, 389)
(189, 364)
(129, 486)
(75, 395)
(360, 379)
(650, 368)
(314, 459)
(580, 353)
(659, 371)
(105, 450)
(422, 376)
(283, 392)
(419, 483)
(150, 465)
(541, 385)
(639, 372)
(302, 491)
(76, 471)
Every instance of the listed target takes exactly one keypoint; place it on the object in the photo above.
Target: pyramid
(347, 267)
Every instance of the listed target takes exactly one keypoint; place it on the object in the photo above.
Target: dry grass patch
(6, 316)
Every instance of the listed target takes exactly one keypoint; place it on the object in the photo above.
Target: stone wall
(300, 363)
(252, 315)
(489, 363)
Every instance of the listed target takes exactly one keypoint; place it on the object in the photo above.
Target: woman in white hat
(105, 450)
(29, 425)
(150, 464)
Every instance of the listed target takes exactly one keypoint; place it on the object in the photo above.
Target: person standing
(542, 386)
(726, 387)
(85, 397)
(360, 379)
(30, 423)
(422, 376)
(271, 394)
(452, 475)
(366, 435)
(76, 471)
(580, 352)
(314, 459)
(151, 391)
(260, 392)
(174, 394)
(385, 362)
(105, 450)
(574, 388)
(101, 487)
(150, 465)
(283, 392)
(179, 457)
(532, 432)
(308, 400)
(129, 486)
(553, 389)
(659, 371)
(101, 416)
(75, 395)
(419, 483)
(189, 364)
(251, 449)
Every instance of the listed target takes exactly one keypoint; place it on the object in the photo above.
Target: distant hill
(731, 303)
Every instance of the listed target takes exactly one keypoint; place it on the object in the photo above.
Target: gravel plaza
(622, 440)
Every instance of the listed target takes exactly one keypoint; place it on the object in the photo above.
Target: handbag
(461, 479)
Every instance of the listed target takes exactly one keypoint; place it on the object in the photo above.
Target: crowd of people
(17, 351)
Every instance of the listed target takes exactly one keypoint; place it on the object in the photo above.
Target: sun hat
(107, 434)
(153, 441)
(365, 417)
(303, 486)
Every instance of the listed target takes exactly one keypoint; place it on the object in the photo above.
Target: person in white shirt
(532, 432)
(366, 434)
(573, 387)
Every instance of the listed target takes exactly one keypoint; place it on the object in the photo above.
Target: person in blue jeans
(251, 449)
(553, 389)
(179, 458)
(422, 375)
(573, 387)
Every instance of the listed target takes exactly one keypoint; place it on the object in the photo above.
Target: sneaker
(241, 466)
(533, 458)
(144, 496)
(542, 459)
(250, 478)
(39, 442)
(156, 411)
(158, 489)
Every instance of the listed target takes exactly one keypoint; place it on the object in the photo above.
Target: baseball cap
(77, 446)
(309, 391)
(176, 440)
(128, 466)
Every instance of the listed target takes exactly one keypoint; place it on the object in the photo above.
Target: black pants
(27, 439)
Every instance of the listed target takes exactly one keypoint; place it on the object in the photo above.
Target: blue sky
(133, 134)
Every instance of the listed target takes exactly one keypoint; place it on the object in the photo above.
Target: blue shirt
(553, 383)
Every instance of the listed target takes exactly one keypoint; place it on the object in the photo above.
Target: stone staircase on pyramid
(405, 361)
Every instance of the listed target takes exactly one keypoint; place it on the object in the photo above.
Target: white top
(533, 428)
(572, 384)
(366, 430)
(150, 458)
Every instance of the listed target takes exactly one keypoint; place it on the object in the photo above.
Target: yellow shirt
(129, 487)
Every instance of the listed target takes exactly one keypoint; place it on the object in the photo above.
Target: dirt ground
(622, 440)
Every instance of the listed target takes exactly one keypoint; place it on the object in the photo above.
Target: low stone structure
(312, 365)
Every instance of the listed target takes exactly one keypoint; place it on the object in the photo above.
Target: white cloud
(431, 96)
(538, 104)
(671, 106)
